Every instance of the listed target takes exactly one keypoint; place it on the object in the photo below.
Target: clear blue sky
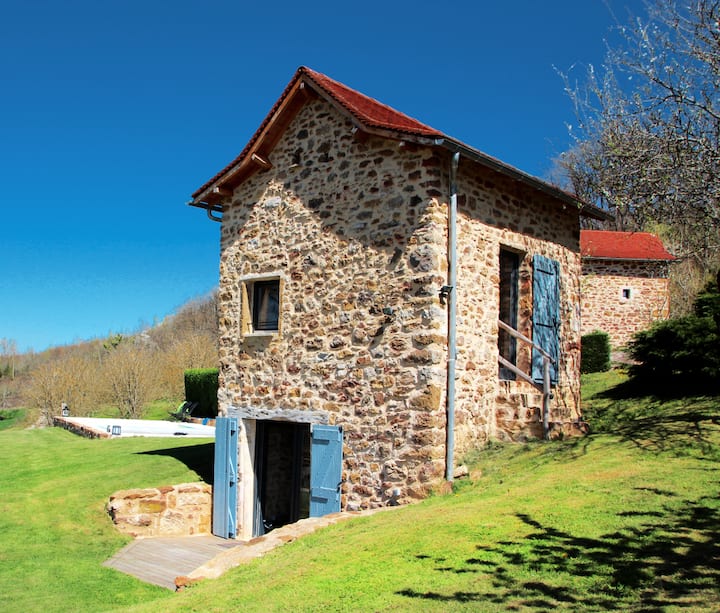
(112, 113)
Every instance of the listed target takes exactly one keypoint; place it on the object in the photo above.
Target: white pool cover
(143, 427)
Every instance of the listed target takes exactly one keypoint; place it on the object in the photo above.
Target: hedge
(595, 356)
(201, 386)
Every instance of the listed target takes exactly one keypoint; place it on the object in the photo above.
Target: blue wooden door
(546, 315)
(325, 469)
(224, 522)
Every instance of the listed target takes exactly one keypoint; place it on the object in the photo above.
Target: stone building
(625, 284)
(366, 260)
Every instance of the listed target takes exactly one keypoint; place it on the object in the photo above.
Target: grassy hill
(624, 519)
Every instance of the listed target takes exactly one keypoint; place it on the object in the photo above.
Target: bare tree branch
(647, 140)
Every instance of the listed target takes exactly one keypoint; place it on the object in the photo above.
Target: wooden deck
(159, 560)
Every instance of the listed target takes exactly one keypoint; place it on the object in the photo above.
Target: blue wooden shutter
(546, 315)
(325, 470)
(225, 478)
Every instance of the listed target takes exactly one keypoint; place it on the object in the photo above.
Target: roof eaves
(625, 259)
(341, 97)
(231, 170)
(585, 209)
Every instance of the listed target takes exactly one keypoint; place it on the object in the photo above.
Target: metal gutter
(209, 208)
(451, 292)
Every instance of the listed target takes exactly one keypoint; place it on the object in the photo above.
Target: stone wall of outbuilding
(356, 229)
(606, 305)
(497, 213)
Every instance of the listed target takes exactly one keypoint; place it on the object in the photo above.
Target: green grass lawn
(54, 531)
(11, 418)
(626, 519)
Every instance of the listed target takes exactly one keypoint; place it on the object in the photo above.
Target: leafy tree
(647, 143)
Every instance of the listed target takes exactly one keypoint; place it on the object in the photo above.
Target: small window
(261, 306)
(266, 305)
(626, 293)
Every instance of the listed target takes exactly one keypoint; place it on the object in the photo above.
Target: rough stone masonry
(355, 228)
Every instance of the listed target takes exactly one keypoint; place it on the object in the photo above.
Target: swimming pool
(116, 427)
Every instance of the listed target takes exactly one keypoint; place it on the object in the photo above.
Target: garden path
(174, 562)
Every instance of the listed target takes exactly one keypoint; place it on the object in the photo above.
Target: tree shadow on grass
(663, 388)
(199, 458)
(672, 559)
(659, 422)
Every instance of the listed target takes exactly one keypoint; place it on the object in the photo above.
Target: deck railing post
(547, 395)
(546, 382)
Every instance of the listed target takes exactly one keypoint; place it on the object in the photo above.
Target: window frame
(250, 297)
(265, 304)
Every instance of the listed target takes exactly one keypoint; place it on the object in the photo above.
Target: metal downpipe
(452, 319)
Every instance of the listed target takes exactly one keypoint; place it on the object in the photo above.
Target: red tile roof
(369, 111)
(622, 245)
(370, 116)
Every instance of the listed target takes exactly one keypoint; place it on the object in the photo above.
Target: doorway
(282, 472)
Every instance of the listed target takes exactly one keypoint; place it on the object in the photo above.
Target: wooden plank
(509, 365)
(160, 560)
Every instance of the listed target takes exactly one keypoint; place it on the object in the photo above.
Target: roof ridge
(366, 114)
(369, 110)
(623, 245)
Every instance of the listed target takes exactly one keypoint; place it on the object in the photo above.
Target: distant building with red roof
(625, 284)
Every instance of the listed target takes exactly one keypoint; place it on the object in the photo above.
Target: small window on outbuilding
(626, 293)
(261, 306)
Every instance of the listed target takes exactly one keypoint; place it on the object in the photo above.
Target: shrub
(707, 303)
(595, 355)
(683, 350)
(201, 386)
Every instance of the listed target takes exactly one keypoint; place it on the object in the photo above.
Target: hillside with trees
(119, 374)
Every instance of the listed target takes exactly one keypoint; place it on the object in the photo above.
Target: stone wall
(497, 213)
(356, 229)
(606, 305)
(79, 429)
(173, 510)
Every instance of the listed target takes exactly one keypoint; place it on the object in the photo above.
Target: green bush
(707, 304)
(595, 355)
(682, 352)
(201, 386)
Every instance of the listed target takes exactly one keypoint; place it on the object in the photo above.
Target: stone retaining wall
(173, 510)
(79, 429)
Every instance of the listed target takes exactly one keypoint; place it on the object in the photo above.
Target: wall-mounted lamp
(445, 293)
